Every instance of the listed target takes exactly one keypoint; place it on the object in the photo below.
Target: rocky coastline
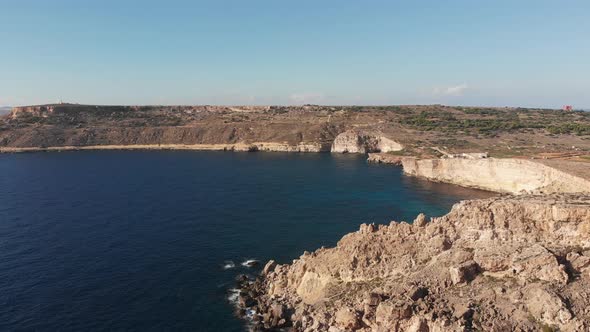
(516, 262)
(507, 175)
(510, 263)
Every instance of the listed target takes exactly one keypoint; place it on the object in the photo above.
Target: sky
(334, 52)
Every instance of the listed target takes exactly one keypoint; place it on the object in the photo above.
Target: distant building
(568, 108)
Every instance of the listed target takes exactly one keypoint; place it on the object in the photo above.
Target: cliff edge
(506, 175)
(362, 141)
(513, 263)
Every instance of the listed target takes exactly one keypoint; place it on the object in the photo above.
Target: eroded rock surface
(511, 263)
(506, 175)
(363, 141)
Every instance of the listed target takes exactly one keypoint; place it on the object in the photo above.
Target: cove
(142, 240)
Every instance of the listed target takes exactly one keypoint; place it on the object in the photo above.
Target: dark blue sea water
(136, 241)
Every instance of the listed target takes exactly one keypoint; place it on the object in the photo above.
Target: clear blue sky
(501, 52)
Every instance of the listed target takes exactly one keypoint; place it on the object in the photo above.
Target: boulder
(388, 312)
(420, 220)
(275, 316)
(418, 324)
(536, 262)
(578, 262)
(269, 267)
(347, 318)
(464, 273)
(546, 306)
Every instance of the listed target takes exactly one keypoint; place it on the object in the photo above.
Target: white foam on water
(250, 262)
(228, 265)
(233, 296)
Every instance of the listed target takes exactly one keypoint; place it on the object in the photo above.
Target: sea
(153, 240)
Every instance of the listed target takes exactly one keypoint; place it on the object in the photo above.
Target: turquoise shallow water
(137, 241)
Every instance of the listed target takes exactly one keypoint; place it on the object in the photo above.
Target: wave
(228, 265)
(250, 262)
(233, 295)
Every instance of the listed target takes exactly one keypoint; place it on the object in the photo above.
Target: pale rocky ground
(507, 175)
(510, 263)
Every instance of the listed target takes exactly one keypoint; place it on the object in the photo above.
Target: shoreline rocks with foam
(504, 263)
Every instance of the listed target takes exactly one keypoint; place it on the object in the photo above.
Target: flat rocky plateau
(509, 263)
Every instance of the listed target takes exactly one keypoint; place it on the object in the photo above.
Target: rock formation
(515, 176)
(512, 263)
(362, 141)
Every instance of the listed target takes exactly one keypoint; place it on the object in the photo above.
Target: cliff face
(501, 175)
(72, 127)
(513, 176)
(355, 141)
(244, 128)
(502, 264)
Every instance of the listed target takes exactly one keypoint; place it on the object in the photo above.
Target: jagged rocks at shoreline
(510, 263)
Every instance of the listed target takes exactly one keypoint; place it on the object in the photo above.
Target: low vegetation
(490, 122)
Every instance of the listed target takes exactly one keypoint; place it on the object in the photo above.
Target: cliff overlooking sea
(501, 264)
(425, 134)
(153, 239)
(518, 261)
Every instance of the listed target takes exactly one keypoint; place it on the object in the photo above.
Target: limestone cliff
(362, 141)
(500, 175)
(240, 146)
(519, 263)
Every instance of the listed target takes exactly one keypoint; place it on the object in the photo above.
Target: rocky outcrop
(360, 141)
(515, 176)
(384, 158)
(513, 263)
(32, 111)
(500, 175)
(285, 147)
